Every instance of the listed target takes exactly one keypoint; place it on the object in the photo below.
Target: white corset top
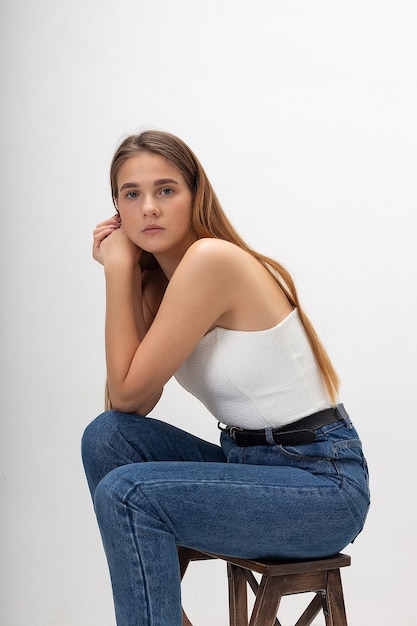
(256, 379)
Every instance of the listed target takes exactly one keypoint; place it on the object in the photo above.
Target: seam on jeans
(130, 525)
(146, 593)
(295, 456)
(328, 430)
(347, 443)
(352, 505)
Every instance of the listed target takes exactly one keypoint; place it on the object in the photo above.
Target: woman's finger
(115, 219)
(102, 231)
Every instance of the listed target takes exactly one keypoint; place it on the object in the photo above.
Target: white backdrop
(303, 114)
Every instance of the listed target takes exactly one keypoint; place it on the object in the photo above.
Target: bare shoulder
(226, 262)
(213, 246)
(251, 296)
(214, 254)
(211, 270)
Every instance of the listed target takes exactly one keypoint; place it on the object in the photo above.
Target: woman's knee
(104, 494)
(99, 449)
(96, 434)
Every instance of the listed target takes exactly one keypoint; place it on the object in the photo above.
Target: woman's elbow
(139, 405)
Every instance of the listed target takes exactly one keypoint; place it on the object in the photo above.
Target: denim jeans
(156, 487)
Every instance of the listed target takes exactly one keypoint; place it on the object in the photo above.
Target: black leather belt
(299, 432)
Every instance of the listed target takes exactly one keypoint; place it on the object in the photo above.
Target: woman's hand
(111, 242)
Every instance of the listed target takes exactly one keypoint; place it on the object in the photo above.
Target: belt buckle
(230, 430)
(233, 430)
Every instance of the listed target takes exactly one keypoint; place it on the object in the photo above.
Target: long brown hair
(209, 220)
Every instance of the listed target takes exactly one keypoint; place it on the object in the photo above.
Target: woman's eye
(131, 195)
(167, 191)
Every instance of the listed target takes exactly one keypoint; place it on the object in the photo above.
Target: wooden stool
(279, 578)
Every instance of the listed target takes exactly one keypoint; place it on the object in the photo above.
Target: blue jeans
(156, 487)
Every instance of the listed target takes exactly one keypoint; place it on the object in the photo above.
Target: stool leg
(253, 584)
(267, 602)
(313, 609)
(184, 560)
(238, 597)
(335, 602)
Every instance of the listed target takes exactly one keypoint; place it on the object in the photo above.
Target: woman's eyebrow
(165, 181)
(129, 186)
(160, 181)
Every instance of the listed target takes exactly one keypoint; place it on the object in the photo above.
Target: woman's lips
(152, 229)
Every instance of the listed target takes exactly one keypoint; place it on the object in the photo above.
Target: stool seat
(279, 578)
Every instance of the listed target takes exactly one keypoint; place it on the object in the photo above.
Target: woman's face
(155, 205)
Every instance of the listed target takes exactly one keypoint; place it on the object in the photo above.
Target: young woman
(185, 296)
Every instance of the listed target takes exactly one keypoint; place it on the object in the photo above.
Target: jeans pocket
(351, 463)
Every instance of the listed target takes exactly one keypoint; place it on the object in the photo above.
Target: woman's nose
(150, 206)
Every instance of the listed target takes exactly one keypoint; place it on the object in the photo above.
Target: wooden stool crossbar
(279, 578)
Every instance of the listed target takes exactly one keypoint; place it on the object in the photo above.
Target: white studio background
(303, 113)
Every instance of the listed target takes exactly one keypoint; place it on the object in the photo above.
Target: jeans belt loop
(269, 434)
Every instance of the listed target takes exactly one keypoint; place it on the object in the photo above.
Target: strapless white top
(256, 379)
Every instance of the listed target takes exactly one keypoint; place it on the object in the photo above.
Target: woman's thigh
(115, 439)
(242, 510)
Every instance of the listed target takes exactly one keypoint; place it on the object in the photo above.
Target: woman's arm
(139, 365)
(126, 287)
